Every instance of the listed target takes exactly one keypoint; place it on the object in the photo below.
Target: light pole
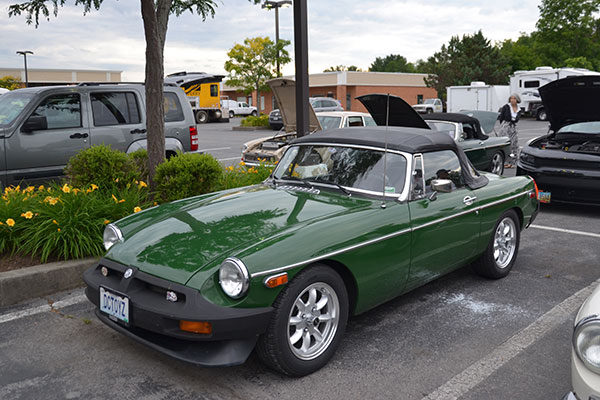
(24, 54)
(276, 5)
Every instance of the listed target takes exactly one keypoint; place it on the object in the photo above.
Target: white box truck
(526, 84)
(477, 96)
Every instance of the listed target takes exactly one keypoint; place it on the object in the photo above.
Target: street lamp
(24, 54)
(268, 4)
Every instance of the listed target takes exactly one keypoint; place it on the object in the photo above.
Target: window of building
(419, 99)
(173, 110)
(348, 102)
(115, 108)
(61, 111)
(442, 165)
(262, 102)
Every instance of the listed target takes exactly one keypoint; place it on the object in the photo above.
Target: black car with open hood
(566, 162)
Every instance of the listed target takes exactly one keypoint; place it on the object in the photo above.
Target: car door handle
(468, 200)
(79, 136)
(138, 131)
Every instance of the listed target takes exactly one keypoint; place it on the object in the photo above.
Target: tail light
(194, 138)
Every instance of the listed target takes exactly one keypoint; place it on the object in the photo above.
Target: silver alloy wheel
(313, 321)
(505, 240)
(497, 162)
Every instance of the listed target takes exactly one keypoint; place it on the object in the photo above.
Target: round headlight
(112, 235)
(586, 341)
(234, 278)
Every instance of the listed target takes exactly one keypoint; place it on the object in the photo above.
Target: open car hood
(487, 119)
(571, 100)
(285, 93)
(401, 113)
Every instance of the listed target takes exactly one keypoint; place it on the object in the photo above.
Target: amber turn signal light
(196, 326)
(276, 280)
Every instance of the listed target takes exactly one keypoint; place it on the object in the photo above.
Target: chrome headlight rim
(592, 321)
(241, 267)
(117, 236)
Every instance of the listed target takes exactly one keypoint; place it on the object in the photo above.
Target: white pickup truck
(429, 106)
(238, 108)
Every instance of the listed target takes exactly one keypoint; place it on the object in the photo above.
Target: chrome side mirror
(441, 185)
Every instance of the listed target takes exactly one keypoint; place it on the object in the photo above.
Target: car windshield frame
(429, 101)
(312, 164)
(10, 110)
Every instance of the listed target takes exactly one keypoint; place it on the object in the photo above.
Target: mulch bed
(11, 262)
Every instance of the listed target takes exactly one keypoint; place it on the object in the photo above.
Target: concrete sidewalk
(41, 280)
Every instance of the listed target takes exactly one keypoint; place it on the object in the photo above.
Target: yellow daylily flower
(137, 209)
(115, 198)
(106, 222)
(94, 187)
(41, 187)
(54, 222)
(66, 188)
(27, 215)
(10, 222)
(142, 184)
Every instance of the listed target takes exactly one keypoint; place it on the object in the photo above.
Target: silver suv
(42, 127)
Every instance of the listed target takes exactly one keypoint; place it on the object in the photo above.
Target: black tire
(497, 163)
(429, 111)
(231, 114)
(498, 265)
(289, 323)
(253, 113)
(541, 115)
(201, 117)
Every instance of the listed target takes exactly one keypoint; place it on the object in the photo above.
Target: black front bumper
(566, 186)
(154, 321)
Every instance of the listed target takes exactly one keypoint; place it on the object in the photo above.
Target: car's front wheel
(501, 253)
(253, 113)
(497, 163)
(308, 322)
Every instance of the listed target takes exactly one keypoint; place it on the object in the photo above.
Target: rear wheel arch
(519, 213)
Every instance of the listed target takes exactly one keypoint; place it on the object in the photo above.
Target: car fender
(171, 145)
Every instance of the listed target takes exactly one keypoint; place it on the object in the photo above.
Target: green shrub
(262, 120)
(242, 175)
(187, 175)
(140, 159)
(102, 166)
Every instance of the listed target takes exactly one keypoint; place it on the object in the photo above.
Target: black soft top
(410, 140)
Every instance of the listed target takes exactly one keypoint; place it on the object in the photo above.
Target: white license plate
(114, 305)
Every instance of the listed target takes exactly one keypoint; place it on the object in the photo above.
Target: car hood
(571, 100)
(400, 112)
(176, 240)
(487, 119)
(285, 93)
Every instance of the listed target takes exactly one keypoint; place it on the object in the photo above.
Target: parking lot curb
(40, 280)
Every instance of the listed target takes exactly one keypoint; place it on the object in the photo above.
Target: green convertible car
(349, 219)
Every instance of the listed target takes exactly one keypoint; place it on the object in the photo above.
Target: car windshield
(590, 128)
(353, 168)
(328, 122)
(429, 101)
(445, 127)
(11, 105)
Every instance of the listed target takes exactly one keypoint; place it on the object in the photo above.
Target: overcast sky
(348, 32)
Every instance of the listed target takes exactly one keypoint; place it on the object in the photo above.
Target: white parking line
(483, 368)
(216, 148)
(549, 228)
(46, 307)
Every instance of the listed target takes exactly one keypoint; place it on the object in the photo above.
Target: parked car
(238, 108)
(429, 106)
(349, 219)
(343, 119)
(486, 153)
(318, 104)
(585, 358)
(41, 128)
(566, 162)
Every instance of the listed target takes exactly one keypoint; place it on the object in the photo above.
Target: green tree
(10, 83)
(338, 68)
(392, 63)
(155, 15)
(466, 59)
(252, 64)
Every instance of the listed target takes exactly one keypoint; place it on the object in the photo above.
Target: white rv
(477, 96)
(526, 84)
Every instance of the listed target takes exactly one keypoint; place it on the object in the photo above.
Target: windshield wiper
(343, 189)
(294, 179)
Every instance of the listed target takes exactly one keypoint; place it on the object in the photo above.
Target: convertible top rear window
(356, 168)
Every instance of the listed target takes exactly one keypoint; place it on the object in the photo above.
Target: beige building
(345, 86)
(45, 77)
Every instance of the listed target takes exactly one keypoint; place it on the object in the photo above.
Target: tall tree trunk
(155, 30)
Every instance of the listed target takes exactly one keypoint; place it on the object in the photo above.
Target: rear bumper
(564, 186)
(154, 321)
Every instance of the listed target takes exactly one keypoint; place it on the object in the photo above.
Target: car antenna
(387, 123)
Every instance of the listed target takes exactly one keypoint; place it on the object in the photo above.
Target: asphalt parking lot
(460, 336)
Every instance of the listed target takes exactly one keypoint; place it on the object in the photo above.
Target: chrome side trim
(486, 147)
(385, 237)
